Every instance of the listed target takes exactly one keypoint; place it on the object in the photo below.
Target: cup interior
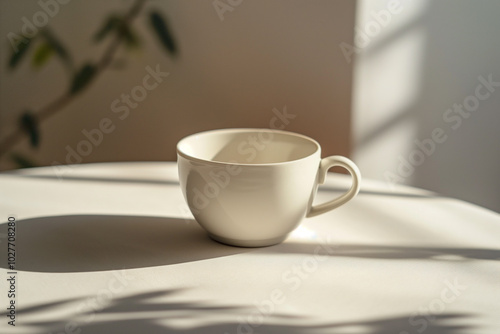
(247, 146)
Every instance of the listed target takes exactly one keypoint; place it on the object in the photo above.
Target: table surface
(112, 248)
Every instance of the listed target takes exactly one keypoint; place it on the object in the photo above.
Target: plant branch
(60, 102)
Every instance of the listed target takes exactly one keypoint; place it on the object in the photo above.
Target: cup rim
(234, 130)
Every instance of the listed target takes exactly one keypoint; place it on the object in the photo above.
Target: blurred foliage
(19, 51)
(163, 32)
(29, 124)
(42, 55)
(22, 161)
(118, 25)
(56, 45)
(45, 45)
(82, 78)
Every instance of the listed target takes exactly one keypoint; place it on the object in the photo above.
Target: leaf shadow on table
(389, 252)
(82, 243)
(96, 178)
(154, 312)
(404, 193)
(413, 193)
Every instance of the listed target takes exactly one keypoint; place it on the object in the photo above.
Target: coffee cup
(252, 187)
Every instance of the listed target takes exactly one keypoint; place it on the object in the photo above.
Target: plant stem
(60, 102)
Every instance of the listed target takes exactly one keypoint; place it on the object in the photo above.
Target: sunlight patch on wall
(387, 84)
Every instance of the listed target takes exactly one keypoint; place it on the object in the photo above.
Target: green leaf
(19, 51)
(21, 161)
(82, 78)
(118, 25)
(161, 28)
(42, 55)
(131, 39)
(56, 45)
(113, 22)
(29, 123)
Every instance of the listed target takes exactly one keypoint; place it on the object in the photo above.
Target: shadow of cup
(81, 243)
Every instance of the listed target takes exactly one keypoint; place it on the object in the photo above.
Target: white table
(112, 248)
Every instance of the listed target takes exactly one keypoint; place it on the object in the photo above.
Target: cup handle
(324, 166)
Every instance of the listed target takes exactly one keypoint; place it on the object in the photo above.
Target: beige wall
(264, 55)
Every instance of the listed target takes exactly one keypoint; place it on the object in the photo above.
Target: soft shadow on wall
(417, 119)
(262, 64)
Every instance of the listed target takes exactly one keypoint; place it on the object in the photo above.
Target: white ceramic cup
(252, 187)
